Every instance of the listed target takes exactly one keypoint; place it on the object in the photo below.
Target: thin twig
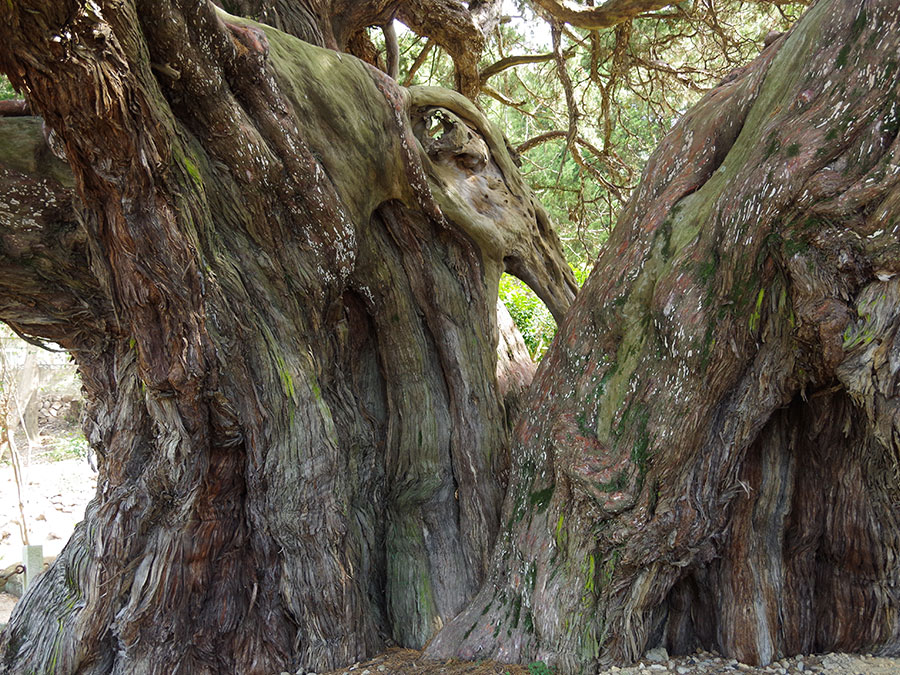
(420, 59)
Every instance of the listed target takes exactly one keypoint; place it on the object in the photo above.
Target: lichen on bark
(288, 349)
(708, 440)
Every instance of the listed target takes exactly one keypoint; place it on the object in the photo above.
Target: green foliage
(530, 315)
(6, 89)
(539, 668)
(629, 86)
(70, 446)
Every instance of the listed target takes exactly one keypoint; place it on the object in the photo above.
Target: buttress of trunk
(709, 454)
(286, 328)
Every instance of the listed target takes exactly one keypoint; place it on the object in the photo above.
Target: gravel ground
(405, 661)
(55, 498)
(6, 604)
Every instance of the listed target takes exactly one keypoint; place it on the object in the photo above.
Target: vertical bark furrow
(659, 473)
(296, 404)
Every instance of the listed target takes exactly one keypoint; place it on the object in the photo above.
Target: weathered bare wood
(14, 108)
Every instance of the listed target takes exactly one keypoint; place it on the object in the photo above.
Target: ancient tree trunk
(325, 23)
(710, 451)
(281, 297)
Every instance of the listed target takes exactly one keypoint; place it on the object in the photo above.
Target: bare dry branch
(488, 90)
(607, 15)
(519, 60)
(420, 59)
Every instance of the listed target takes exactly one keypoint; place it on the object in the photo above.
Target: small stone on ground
(407, 661)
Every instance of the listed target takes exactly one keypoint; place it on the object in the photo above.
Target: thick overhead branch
(47, 289)
(326, 23)
(607, 15)
(454, 28)
(486, 14)
(519, 60)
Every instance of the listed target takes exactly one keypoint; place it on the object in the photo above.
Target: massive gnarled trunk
(711, 451)
(281, 296)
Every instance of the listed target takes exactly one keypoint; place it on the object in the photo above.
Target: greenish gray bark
(709, 452)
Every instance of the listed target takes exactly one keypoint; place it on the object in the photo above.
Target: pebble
(705, 663)
(657, 655)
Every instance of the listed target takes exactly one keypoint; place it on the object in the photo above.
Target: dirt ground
(410, 661)
(56, 494)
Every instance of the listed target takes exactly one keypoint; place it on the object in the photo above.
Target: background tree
(620, 85)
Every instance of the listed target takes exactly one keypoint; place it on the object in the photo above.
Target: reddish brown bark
(708, 455)
(286, 328)
(14, 109)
